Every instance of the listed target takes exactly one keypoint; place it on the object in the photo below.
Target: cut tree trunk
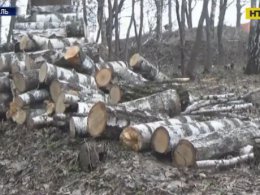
(26, 80)
(39, 121)
(22, 115)
(49, 72)
(54, 9)
(109, 121)
(40, 25)
(48, 33)
(146, 69)
(138, 137)
(214, 144)
(166, 137)
(116, 71)
(123, 92)
(4, 83)
(31, 97)
(166, 102)
(78, 126)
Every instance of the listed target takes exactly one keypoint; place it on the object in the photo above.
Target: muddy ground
(44, 161)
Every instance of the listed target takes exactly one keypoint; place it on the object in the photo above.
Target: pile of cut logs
(63, 82)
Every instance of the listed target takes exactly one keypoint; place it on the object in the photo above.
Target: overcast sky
(149, 16)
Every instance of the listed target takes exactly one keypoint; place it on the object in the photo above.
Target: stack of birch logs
(63, 82)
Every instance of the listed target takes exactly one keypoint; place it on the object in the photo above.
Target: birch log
(78, 126)
(48, 33)
(5, 61)
(39, 121)
(22, 115)
(214, 144)
(166, 137)
(49, 72)
(138, 137)
(167, 102)
(40, 25)
(54, 9)
(58, 17)
(146, 69)
(31, 97)
(26, 80)
(17, 66)
(108, 121)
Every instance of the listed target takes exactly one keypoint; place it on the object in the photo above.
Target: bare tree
(12, 22)
(100, 20)
(139, 43)
(253, 63)
(194, 53)
(116, 26)
(208, 62)
(85, 20)
(212, 17)
(189, 11)
(222, 12)
(170, 14)
(159, 10)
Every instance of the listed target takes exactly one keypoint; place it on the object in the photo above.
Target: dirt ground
(45, 161)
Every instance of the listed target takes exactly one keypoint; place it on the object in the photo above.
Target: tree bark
(159, 10)
(138, 137)
(85, 20)
(12, 23)
(238, 19)
(208, 64)
(48, 9)
(213, 145)
(212, 17)
(78, 126)
(146, 69)
(170, 14)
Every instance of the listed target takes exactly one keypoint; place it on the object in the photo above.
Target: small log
(167, 102)
(78, 126)
(214, 144)
(26, 80)
(146, 69)
(225, 162)
(22, 115)
(39, 121)
(58, 86)
(123, 92)
(227, 96)
(138, 137)
(31, 97)
(61, 120)
(109, 121)
(166, 137)
(49, 72)
(116, 71)
(40, 25)
(62, 43)
(54, 9)
(4, 83)
(48, 33)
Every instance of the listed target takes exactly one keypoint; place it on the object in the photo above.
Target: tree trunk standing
(182, 37)
(212, 17)
(170, 14)
(12, 22)
(194, 53)
(139, 43)
(129, 29)
(208, 62)
(253, 63)
(0, 30)
(222, 12)
(100, 14)
(188, 12)
(159, 9)
(109, 24)
(116, 26)
(85, 21)
(238, 22)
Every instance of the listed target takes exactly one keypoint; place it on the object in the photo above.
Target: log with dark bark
(78, 126)
(49, 72)
(214, 144)
(146, 69)
(138, 137)
(31, 97)
(166, 102)
(166, 137)
(4, 83)
(26, 80)
(109, 121)
(122, 92)
(116, 71)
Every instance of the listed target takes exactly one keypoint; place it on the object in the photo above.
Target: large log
(49, 72)
(123, 92)
(167, 102)
(214, 144)
(53, 9)
(40, 25)
(26, 80)
(78, 126)
(165, 137)
(138, 137)
(48, 33)
(4, 83)
(146, 69)
(31, 97)
(109, 121)
(117, 70)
